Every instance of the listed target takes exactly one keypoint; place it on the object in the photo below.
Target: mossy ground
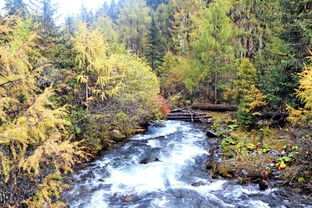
(268, 153)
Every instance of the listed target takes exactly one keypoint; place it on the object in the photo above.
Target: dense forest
(68, 91)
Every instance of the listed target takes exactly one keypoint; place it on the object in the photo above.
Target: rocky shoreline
(260, 164)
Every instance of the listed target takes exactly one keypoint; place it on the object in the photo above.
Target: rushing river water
(117, 179)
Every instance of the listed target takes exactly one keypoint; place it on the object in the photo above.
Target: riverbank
(269, 156)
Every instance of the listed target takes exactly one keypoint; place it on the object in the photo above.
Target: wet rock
(199, 183)
(115, 131)
(149, 160)
(274, 153)
(282, 137)
(263, 185)
(90, 165)
(209, 164)
(117, 135)
(245, 173)
(254, 154)
(116, 196)
(212, 134)
(127, 198)
(156, 124)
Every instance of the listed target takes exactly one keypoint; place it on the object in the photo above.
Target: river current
(118, 180)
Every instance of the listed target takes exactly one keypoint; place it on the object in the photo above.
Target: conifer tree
(182, 24)
(103, 10)
(165, 17)
(92, 66)
(112, 10)
(15, 7)
(245, 77)
(133, 25)
(304, 93)
(85, 15)
(213, 48)
(154, 3)
(154, 50)
(47, 17)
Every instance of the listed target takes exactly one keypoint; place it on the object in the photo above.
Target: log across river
(165, 168)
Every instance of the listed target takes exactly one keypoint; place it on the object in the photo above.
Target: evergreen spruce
(155, 49)
(15, 7)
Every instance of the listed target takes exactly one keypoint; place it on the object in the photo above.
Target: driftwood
(215, 107)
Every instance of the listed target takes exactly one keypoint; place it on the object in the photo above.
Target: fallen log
(215, 107)
(187, 114)
(184, 118)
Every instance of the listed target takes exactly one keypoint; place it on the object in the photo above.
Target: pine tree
(182, 24)
(16, 7)
(165, 17)
(103, 10)
(133, 25)
(85, 15)
(112, 10)
(213, 60)
(245, 77)
(92, 66)
(47, 18)
(154, 50)
(154, 3)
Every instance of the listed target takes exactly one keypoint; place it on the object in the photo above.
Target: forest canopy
(68, 91)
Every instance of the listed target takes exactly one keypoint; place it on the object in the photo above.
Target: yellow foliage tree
(17, 74)
(246, 77)
(304, 93)
(95, 70)
(34, 132)
(250, 106)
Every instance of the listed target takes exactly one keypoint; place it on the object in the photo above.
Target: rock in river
(149, 160)
(263, 185)
(199, 183)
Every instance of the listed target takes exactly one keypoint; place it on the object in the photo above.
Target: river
(118, 180)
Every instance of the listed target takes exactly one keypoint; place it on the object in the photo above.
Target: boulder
(263, 185)
(149, 160)
(199, 183)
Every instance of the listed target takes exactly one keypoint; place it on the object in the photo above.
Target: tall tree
(47, 18)
(213, 59)
(133, 25)
(103, 10)
(155, 49)
(16, 7)
(165, 19)
(285, 48)
(182, 24)
(113, 10)
(93, 69)
(155, 3)
(85, 15)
